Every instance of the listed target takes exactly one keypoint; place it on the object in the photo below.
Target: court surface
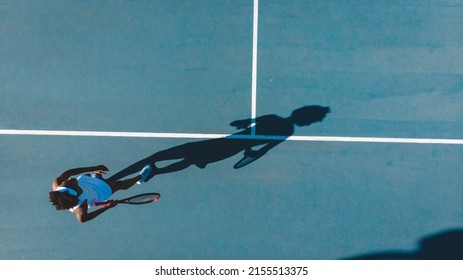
(379, 177)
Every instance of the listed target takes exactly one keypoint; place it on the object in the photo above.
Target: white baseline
(231, 136)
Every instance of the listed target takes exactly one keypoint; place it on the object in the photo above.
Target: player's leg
(123, 184)
(126, 184)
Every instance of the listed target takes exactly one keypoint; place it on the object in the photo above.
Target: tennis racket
(134, 200)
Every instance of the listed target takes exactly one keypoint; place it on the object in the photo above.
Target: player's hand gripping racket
(133, 200)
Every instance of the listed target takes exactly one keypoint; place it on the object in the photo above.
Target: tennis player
(81, 193)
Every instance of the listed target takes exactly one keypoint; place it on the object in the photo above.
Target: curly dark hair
(62, 200)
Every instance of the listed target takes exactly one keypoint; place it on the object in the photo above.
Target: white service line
(231, 136)
(378, 140)
(108, 134)
(254, 66)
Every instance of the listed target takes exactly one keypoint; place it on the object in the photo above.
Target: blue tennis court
(121, 83)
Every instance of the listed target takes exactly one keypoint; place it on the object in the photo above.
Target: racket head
(244, 161)
(141, 198)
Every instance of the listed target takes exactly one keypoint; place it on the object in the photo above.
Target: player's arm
(241, 124)
(246, 123)
(83, 215)
(100, 169)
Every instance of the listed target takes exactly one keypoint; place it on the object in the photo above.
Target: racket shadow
(276, 129)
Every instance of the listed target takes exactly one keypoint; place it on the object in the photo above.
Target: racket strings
(144, 198)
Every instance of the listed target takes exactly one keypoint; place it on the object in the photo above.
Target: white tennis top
(93, 190)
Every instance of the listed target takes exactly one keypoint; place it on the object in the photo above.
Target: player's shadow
(443, 246)
(276, 129)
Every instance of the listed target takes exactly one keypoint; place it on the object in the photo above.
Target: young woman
(81, 193)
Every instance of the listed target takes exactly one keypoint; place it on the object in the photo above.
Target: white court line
(254, 67)
(233, 136)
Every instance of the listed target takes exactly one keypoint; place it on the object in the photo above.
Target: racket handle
(104, 203)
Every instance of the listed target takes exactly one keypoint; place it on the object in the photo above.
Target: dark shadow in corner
(443, 246)
(275, 129)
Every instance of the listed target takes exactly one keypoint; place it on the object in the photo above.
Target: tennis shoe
(145, 172)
